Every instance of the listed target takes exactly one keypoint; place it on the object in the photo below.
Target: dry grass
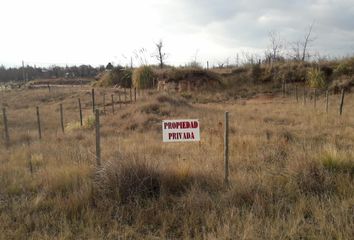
(291, 170)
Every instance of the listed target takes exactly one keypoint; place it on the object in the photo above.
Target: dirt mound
(188, 79)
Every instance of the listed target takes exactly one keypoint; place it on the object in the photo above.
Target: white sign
(185, 130)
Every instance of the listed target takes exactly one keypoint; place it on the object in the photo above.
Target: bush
(316, 78)
(128, 179)
(345, 68)
(117, 76)
(143, 77)
(121, 77)
(177, 74)
(256, 72)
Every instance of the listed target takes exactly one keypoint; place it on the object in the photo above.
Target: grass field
(291, 169)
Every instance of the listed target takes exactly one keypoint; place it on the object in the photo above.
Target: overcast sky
(44, 32)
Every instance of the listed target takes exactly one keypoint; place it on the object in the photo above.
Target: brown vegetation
(291, 169)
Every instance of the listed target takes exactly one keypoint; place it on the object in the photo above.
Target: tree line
(28, 73)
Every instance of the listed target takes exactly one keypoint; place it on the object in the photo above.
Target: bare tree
(300, 48)
(160, 55)
(307, 40)
(275, 48)
(249, 57)
(296, 49)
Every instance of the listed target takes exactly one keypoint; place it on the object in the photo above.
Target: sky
(68, 32)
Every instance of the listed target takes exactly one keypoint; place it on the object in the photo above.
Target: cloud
(243, 23)
(97, 31)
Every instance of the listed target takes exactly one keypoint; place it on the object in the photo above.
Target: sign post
(184, 130)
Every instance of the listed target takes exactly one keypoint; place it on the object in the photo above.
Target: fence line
(80, 106)
(97, 121)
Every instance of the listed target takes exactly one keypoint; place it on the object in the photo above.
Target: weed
(316, 78)
(143, 77)
(334, 161)
(90, 122)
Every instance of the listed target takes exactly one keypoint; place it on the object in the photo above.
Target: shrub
(117, 76)
(143, 77)
(128, 181)
(88, 123)
(256, 72)
(316, 78)
(133, 180)
(345, 67)
(121, 77)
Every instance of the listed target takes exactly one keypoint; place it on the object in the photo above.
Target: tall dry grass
(291, 170)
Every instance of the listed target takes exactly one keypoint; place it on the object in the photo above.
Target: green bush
(316, 78)
(143, 77)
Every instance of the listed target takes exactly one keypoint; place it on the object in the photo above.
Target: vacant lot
(291, 168)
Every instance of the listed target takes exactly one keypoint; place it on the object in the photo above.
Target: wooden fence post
(48, 87)
(93, 100)
(327, 101)
(80, 111)
(6, 128)
(112, 103)
(341, 102)
(135, 94)
(39, 124)
(62, 118)
(125, 95)
(98, 139)
(226, 149)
